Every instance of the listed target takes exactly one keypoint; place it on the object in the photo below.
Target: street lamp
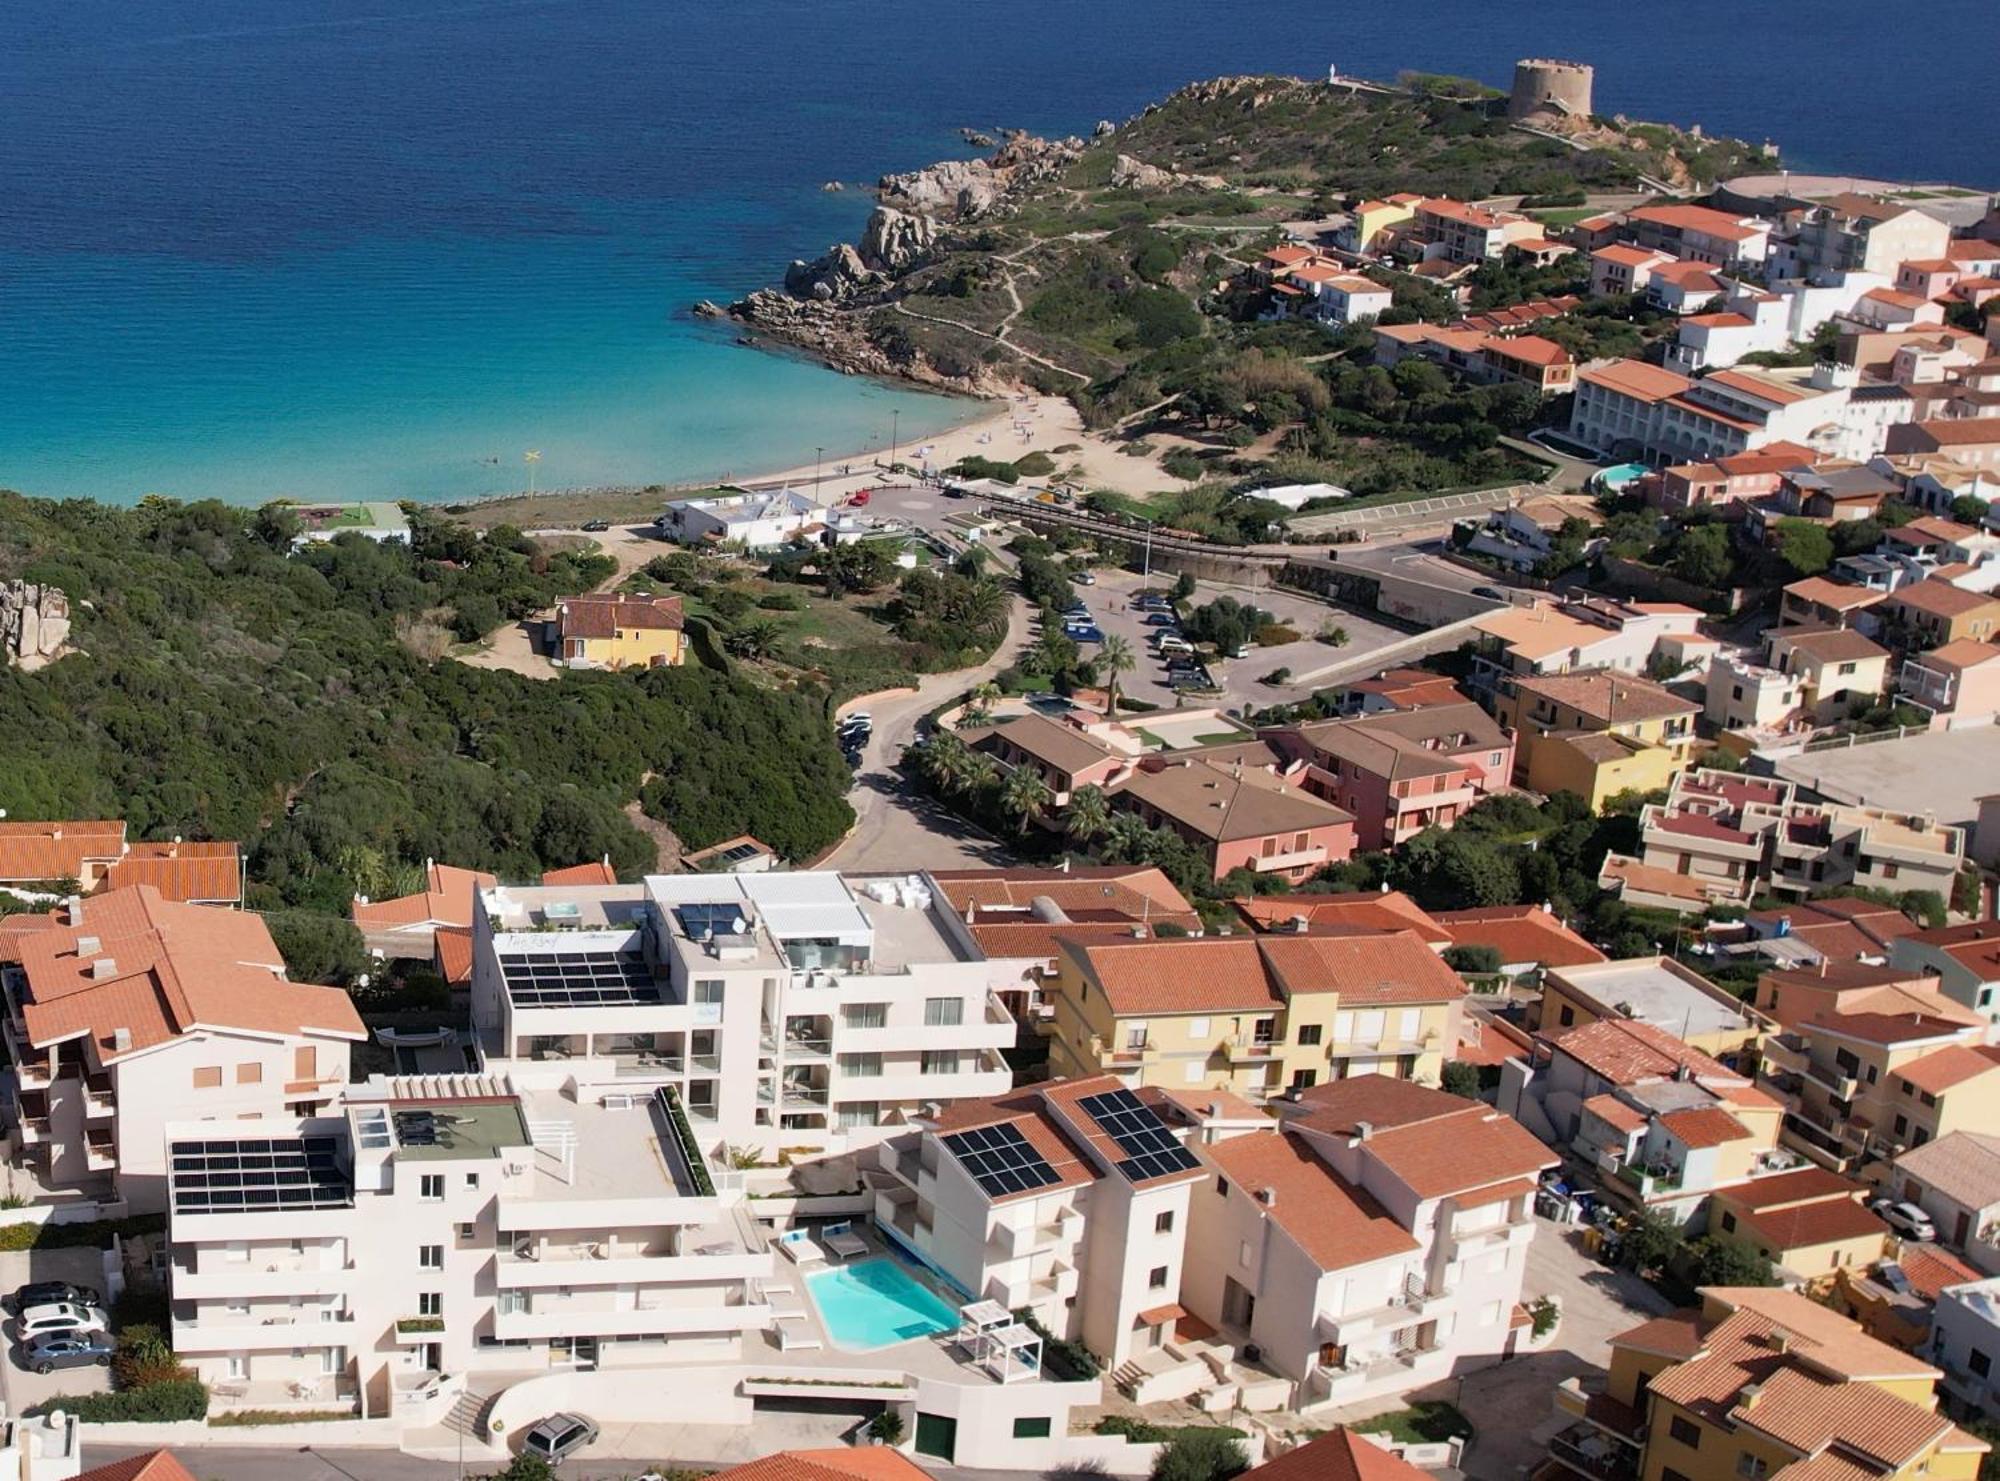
(818, 453)
(895, 435)
(1147, 576)
(531, 458)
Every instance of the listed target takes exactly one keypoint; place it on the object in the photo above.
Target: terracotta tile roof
(1929, 1269)
(1339, 1107)
(1886, 1028)
(1699, 219)
(209, 873)
(1520, 933)
(445, 900)
(1824, 593)
(1334, 1222)
(1053, 743)
(1636, 379)
(451, 953)
(153, 1465)
(1960, 654)
(1941, 599)
(1389, 910)
(1439, 1155)
(1704, 1126)
(1061, 1098)
(1811, 1224)
(1972, 432)
(1370, 969)
(1614, 1112)
(1678, 1334)
(842, 1463)
(56, 850)
(1621, 871)
(1194, 1107)
(1134, 892)
(1835, 645)
(1338, 1455)
(1942, 1069)
(1529, 349)
(1493, 1044)
(1623, 254)
(579, 874)
(1163, 978)
(1805, 1185)
(602, 617)
(1607, 698)
(1834, 1342)
(1227, 804)
(1024, 1111)
(1962, 1165)
(1626, 1051)
(159, 970)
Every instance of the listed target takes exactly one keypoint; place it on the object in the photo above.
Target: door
(1962, 1229)
(937, 1436)
(1239, 1305)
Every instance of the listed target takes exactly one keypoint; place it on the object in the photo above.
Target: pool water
(877, 1303)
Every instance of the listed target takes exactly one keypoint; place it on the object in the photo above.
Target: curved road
(896, 827)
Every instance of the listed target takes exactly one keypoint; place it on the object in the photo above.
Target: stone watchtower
(1546, 89)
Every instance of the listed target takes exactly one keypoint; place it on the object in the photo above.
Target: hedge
(1145, 1432)
(95, 1234)
(180, 1398)
(1062, 1360)
(241, 1417)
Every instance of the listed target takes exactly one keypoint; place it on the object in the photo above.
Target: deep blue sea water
(382, 247)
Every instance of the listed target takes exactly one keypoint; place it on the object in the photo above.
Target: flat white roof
(1648, 990)
(810, 905)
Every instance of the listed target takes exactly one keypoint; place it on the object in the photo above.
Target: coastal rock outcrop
(964, 189)
(892, 242)
(895, 240)
(841, 338)
(34, 623)
(840, 273)
(1128, 173)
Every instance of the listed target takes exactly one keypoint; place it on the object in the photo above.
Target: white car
(1906, 1219)
(61, 1316)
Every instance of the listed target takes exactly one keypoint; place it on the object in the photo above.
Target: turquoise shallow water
(877, 1303)
(383, 247)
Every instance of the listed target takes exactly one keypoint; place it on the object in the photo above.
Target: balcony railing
(1293, 859)
(1250, 1047)
(1585, 1448)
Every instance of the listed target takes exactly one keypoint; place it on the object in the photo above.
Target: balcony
(1493, 1236)
(650, 1066)
(1303, 858)
(34, 1074)
(100, 1154)
(227, 1332)
(1654, 1182)
(99, 1103)
(1587, 1449)
(35, 1131)
(575, 1320)
(598, 1264)
(1785, 1054)
(288, 1276)
(1249, 1049)
(1130, 1057)
(1836, 1083)
(1013, 1242)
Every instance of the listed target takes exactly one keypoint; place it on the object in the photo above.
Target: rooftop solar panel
(1151, 1150)
(1000, 1160)
(578, 979)
(291, 1174)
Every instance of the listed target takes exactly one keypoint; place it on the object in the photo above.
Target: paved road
(897, 827)
(249, 1463)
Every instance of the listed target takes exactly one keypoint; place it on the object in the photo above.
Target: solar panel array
(1000, 1160)
(577, 979)
(1151, 1151)
(255, 1175)
(702, 919)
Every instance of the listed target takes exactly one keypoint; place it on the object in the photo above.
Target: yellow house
(1372, 218)
(1761, 1382)
(1872, 1084)
(1551, 711)
(619, 632)
(1254, 1015)
(1810, 1224)
(1660, 992)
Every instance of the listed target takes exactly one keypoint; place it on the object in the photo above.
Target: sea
(390, 248)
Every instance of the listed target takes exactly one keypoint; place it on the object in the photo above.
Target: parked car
(559, 1437)
(1173, 643)
(53, 1350)
(1491, 593)
(61, 1316)
(1161, 619)
(1083, 632)
(859, 501)
(1905, 1218)
(859, 720)
(1241, 650)
(1083, 578)
(49, 1292)
(596, 526)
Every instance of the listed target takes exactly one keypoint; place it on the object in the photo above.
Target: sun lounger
(792, 1339)
(842, 1240)
(799, 1247)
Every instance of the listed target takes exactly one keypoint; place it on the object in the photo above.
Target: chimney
(76, 911)
(1064, 866)
(1301, 924)
(88, 946)
(1268, 1197)
(102, 968)
(1363, 1130)
(1781, 1340)
(1748, 1395)
(1215, 1108)
(121, 1039)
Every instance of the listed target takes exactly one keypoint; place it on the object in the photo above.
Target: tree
(1701, 555)
(1473, 960)
(1089, 814)
(1023, 795)
(753, 640)
(523, 1467)
(1460, 1078)
(318, 948)
(1651, 1243)
(1970, 509)
(1724, 1262)
(1200, 1455)
(1114, 657)
(860, 567)
(1804, 547)
(1183, 587)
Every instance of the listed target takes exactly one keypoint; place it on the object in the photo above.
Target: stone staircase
(468, 1416)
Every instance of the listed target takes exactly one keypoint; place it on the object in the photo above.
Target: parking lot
(1110, 601)
(20, 1388)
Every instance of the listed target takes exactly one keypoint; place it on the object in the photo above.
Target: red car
(860, 498)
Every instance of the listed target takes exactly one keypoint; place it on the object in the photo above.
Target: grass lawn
(1565, 215)
(1426, 1422)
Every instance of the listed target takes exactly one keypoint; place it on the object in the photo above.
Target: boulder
(34, 622)
(1128, 173)
(895, 240)
(1105, 129)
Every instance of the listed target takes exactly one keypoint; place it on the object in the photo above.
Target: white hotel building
(809, 1008)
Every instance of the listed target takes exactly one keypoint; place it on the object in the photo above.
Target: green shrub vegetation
(157, 1403)
(225, 690)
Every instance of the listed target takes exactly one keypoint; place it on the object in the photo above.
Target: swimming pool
(877, 1303)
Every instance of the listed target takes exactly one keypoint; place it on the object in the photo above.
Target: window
(207, 1076)
(862, 1066)
(1309, 1034)
(472, 1180)
(1685, 1432)
(1222, 1187)
(430, 1187)
(1032, 1429)
(866, 1015)
(1197, 1028)
(1164, 1223)
(1304, 1079)
(1749, 1466)
(430, 1256)
(944, 1012)
(1728, 1223)
(1567, 1016)
(1902, 1126)
(305, 1063)
(940, 1062)
(1978, 1362)
(430, 1303)
(251, 1073)
(857, 1113)
(1156, 1280)
(1135, 1035)
(468, 1231)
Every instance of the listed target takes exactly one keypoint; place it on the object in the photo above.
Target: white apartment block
(804, 1008)
(1090, 1240)
(1376, 1243)
(126, 1010)
(1628, 408)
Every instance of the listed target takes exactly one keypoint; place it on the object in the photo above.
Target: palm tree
(983, 696)
(1114, 657)
(981, 771)
(1125, 837)
(1025, 795)
(1089, 814)
(985, 604)
(753, 640)
(944, 761)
